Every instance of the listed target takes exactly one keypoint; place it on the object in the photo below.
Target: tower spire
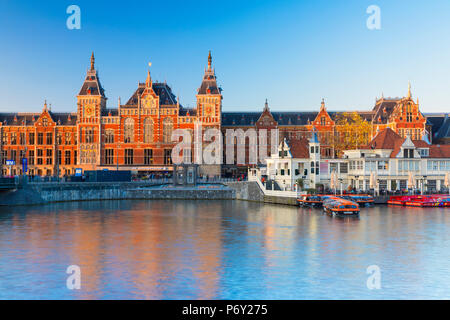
(92, 61)
(148, 82)
(209, 60)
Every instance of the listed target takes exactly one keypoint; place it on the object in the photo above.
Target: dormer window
(424, 152)
(408, 153)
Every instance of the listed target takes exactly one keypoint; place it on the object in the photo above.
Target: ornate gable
(266, 119)
(45, 118)
(323, 119)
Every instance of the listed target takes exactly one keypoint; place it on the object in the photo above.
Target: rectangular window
(59, 138)
(167, 156)
(343, 168)
(13, 138)
(49, 158)
(109, 156)
(59, 157)
(148, 156)
(128, 156)
(31, 138)
(40, 139)
(67, 157)
(22, 138)
(75, 157)
(31, 157)
(13, 155)
(40, 154)
(49, 138)
(67, 138)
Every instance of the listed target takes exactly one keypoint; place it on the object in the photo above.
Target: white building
(392, 158)
(389, 157)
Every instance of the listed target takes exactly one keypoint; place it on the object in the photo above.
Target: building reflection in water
(219, 250)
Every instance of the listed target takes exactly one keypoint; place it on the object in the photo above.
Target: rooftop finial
(266, 106)
(409, 89)
(322, 105)
(45, 105)
(92, 61)
(209, 60)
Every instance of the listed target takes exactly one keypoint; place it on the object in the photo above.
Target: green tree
(353, 131)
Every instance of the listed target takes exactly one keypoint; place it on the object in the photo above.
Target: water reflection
(220, 250)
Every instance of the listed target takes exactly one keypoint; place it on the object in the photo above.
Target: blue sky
(292, 52)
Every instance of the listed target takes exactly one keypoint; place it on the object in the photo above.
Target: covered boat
(361, 199)
(336, 206)
(308, 200)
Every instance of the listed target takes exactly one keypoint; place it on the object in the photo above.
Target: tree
(353, 131)
(299, 182)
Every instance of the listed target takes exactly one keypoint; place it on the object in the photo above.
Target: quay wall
(41, 193)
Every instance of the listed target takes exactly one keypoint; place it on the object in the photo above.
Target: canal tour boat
(308, 200)
(361, 199)
(436, 200)
(336, 206)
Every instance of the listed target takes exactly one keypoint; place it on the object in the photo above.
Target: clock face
(209, 111)
(89, 111)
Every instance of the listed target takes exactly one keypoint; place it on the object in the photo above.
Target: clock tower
(91, 102)
(209, 98)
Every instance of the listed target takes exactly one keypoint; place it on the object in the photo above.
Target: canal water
(222, 250)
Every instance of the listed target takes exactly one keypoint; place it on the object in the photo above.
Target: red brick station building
(136, 135)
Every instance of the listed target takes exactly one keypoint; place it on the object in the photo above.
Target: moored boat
(361, 199)
(308, 200)
(437, 200)
(336, 206)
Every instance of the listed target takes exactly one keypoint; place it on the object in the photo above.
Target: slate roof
(162, 90)
(21, 118)
(383, 109)
(444, 130)
(107, 112)
(91, 85)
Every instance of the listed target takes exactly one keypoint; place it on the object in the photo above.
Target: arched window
(128, 134)
(148, 130)
(167, 130)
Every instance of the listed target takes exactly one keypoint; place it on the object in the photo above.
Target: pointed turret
(209, 83)
(91, 85)
(409, 90)
(209, 60)
(92, 61)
